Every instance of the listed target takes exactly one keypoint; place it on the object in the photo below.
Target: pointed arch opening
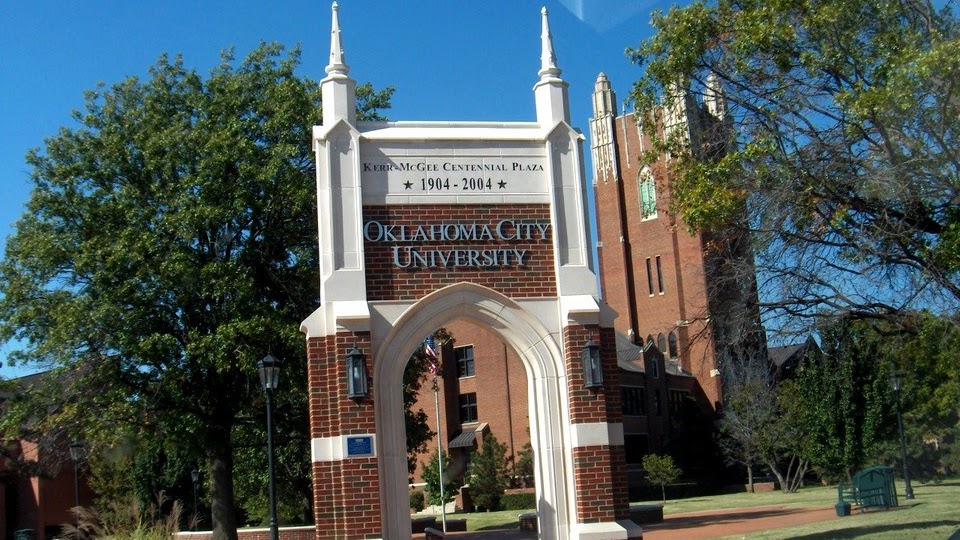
(519, 327)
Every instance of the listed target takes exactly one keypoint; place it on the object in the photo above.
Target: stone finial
(338, 89)
(336, 65)
(548, 60)
(550, 91)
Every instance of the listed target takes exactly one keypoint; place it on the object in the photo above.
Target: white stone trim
(352, 312)
(324, 449)
(607, 530)
(580, 308)
(597, 434)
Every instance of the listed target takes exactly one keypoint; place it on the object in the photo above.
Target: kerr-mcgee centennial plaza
(421, 223)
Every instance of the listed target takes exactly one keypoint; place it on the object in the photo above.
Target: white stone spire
(548, 60)
(550, 91)
(336, 64)
(339, 91)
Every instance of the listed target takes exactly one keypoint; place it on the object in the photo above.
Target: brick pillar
(346, 488)
(599, 468)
